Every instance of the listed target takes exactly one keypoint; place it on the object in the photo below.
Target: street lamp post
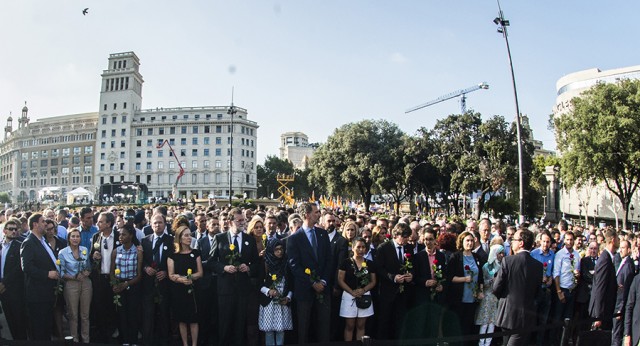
(502, 28)
(232, 111)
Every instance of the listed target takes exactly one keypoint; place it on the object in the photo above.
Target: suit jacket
(389, 266)
(204, 246)
(148, 282)
(339, 251)
(482, 255)
(36, 264)
(422, 270)
(301, 257)
(624, 278)
(632, 312)
(97, 239)
(587, 264)
(604, 287)
(236, 283)
(455, 267)
(517, 282)
(13, 277)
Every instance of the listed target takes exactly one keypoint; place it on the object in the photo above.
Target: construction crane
(463, 100)
(175, 186)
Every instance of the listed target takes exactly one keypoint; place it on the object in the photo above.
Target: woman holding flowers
(126, 274)
(356, 276)
(466, 283)
(275, 314)
(486, 315)
(185, 267)
(75, 266)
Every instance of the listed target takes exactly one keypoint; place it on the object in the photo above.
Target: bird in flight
(85, 11)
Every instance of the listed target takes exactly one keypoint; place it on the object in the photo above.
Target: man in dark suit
(603, 291)
(40, 278)
(309, 255)
(390, 261)
(583, 292)
(206, 287)
(479, 250)
(624, 277)
(515, 290)
(339, 249)
(156, 249)
(632, 314)
(12, 282)
(234, 257)
(103, 320)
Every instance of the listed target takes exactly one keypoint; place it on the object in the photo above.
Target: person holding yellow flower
(184, 267)
(275, 313)
(126, 274)
(74, 264)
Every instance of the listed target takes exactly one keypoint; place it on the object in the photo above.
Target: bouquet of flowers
(115, 282)
(313, 277)
(234, 256)
(473, 284)
(405, 268)
(437, 275)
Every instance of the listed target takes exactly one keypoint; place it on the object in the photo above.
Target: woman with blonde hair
(184, 267)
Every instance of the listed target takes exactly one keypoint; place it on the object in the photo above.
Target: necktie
(400, 254)
(314, 243)
(235, 242)
(210, 243)
(156, 250)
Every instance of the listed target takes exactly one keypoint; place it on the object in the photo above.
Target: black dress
(183, 303)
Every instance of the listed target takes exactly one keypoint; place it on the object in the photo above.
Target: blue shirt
(71, 265)
(467, 293)
(542, 258)
(85, 236)
(563, 268)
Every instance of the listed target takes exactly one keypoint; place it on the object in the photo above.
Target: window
(138, 143)
(149, 155)
(88, 149)
(103, 134)
(183, 141)
(183, 129)
(194, 152)
(183, 152)
(161, 153)
(206, 140)
(113, 119)
(206, 152)
(194, 178)
(194, 164)
(207, 129)
(102, 167)
(138, 132)
(148, 165)
(218, 164)
(194, 129)
(113, 133)
(218, 128)
(149, 142)
(115, 106)
(137, 166)
(124, 105)
(88, 159)
(172, 130)
(172, 141)
(65, 151)
(122, 144)
(161, 130)
(160, 165)
(138, 154)
(218, 152)
(205, 164)
(123, 132)
(124, 117)
(218, 140)
(113, 144)
(194, 141)
(218, 176)
(172, 164)
(103, 145)
(206, 178)
(122, 154)
(150, 132)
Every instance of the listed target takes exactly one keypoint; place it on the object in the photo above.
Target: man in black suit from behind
(603, 290)
(632, 314)
(234, 276)
(12, 282)
(309, 254)
(624, 277)
(515, 290)
(206, 287)
(40, 278)
(156, 249)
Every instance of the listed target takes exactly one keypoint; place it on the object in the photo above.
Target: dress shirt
(86, 235)
(562, 267)
(239, 235)
(157, 238)
(70, 265)
(49, 250)
(542, 258)
(105, 264)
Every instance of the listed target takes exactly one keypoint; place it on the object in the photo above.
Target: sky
(311, 66)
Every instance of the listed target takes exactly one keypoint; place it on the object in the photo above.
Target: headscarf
(275, 265)
(492, 264)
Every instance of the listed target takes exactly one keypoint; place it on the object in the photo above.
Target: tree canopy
(599, 139)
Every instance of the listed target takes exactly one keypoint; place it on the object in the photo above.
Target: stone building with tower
(119, 143)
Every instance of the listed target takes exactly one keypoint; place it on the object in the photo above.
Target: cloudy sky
(310, 66)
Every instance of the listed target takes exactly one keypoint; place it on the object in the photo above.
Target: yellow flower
(189, 271)
(117, 271)
(96, 246)
(264, 237)
(307, 271)
(274, 277)
(232, 247)
(364, 264)
(58, 262)
(84, 252)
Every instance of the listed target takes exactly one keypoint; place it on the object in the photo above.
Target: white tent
(78, 193)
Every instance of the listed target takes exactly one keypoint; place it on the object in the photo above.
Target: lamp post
(502, 28)
(232, 111)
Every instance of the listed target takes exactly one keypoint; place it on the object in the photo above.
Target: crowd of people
(273, 276)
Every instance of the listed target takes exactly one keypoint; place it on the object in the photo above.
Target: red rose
(388, 236)
(467, 267)
(407, 255)
(571, 256)
(544, 264)
(435, 262)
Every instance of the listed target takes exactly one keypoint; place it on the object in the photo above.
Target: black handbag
(363, 302)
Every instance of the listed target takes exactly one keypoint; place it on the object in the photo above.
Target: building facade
(124, 143)
(295, 147)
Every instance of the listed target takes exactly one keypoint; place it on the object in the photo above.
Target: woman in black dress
(185, 266)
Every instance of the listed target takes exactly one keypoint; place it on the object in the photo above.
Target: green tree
(356, 158)
(600, 142)
(267, 173)
(4, 197)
